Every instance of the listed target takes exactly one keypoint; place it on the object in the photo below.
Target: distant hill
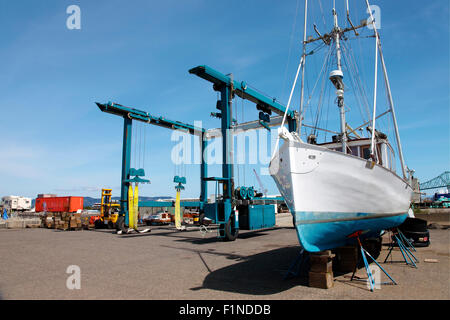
(89, 202)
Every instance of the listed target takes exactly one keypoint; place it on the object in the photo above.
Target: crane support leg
(126, 159)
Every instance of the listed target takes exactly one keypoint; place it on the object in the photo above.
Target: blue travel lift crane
(234, 202)
(236, 209)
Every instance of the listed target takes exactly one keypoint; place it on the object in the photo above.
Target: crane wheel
(120, 224)
(200, 218)
(231, 233)
(98, 224)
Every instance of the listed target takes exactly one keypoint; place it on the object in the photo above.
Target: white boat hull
(332, 195)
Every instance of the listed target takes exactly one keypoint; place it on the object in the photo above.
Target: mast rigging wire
(288, 104)
(290, 48)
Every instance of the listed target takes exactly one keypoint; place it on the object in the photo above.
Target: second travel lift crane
(130, 114)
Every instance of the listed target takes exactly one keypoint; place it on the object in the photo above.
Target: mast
(389, 93)
(374, 118)
(336, 78)
(303, 72)
(337, 40)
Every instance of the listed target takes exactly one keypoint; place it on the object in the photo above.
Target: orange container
(59, 204)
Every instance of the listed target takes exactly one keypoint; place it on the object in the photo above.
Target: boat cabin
(360, 147)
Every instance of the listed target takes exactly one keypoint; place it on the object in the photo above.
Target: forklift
(109, 211)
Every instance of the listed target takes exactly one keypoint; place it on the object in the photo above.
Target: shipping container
(46, 195)
(59, 204)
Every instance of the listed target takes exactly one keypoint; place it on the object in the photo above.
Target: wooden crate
(65, 221)
(321, 261)
(322, 280)
(322, 267)
(321, 271)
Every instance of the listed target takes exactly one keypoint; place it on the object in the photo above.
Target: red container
(59, 204)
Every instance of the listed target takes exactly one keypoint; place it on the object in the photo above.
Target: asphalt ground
(168, 264)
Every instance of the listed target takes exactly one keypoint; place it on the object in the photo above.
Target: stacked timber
(321, 271)
(65, 221)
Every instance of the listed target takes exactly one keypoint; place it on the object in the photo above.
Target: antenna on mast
(325, 40)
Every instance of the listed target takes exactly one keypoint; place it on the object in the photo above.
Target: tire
(201, 217)
(98, 224)
(231, 233)
(373, 246)
(120, 224)
(111, 225)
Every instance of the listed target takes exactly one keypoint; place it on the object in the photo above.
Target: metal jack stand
(298, 267)
(366, 264)
(403, 244)
(407, 241)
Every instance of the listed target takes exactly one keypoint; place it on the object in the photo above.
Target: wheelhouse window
(354, 151)
(365, 152)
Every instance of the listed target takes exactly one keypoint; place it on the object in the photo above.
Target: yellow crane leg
(178, 211)
(136, 206)
(130, 207)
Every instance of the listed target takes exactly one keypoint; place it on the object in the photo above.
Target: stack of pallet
(47, 220)
(321, 271)
(65, 221)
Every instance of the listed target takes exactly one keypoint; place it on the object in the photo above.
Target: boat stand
(407, 241)
(364, 252)
(298, 266)
(405, 247)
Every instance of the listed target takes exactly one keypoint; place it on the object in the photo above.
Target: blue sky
(55, 140)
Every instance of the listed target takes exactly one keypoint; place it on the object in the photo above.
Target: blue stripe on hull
(321, 236)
